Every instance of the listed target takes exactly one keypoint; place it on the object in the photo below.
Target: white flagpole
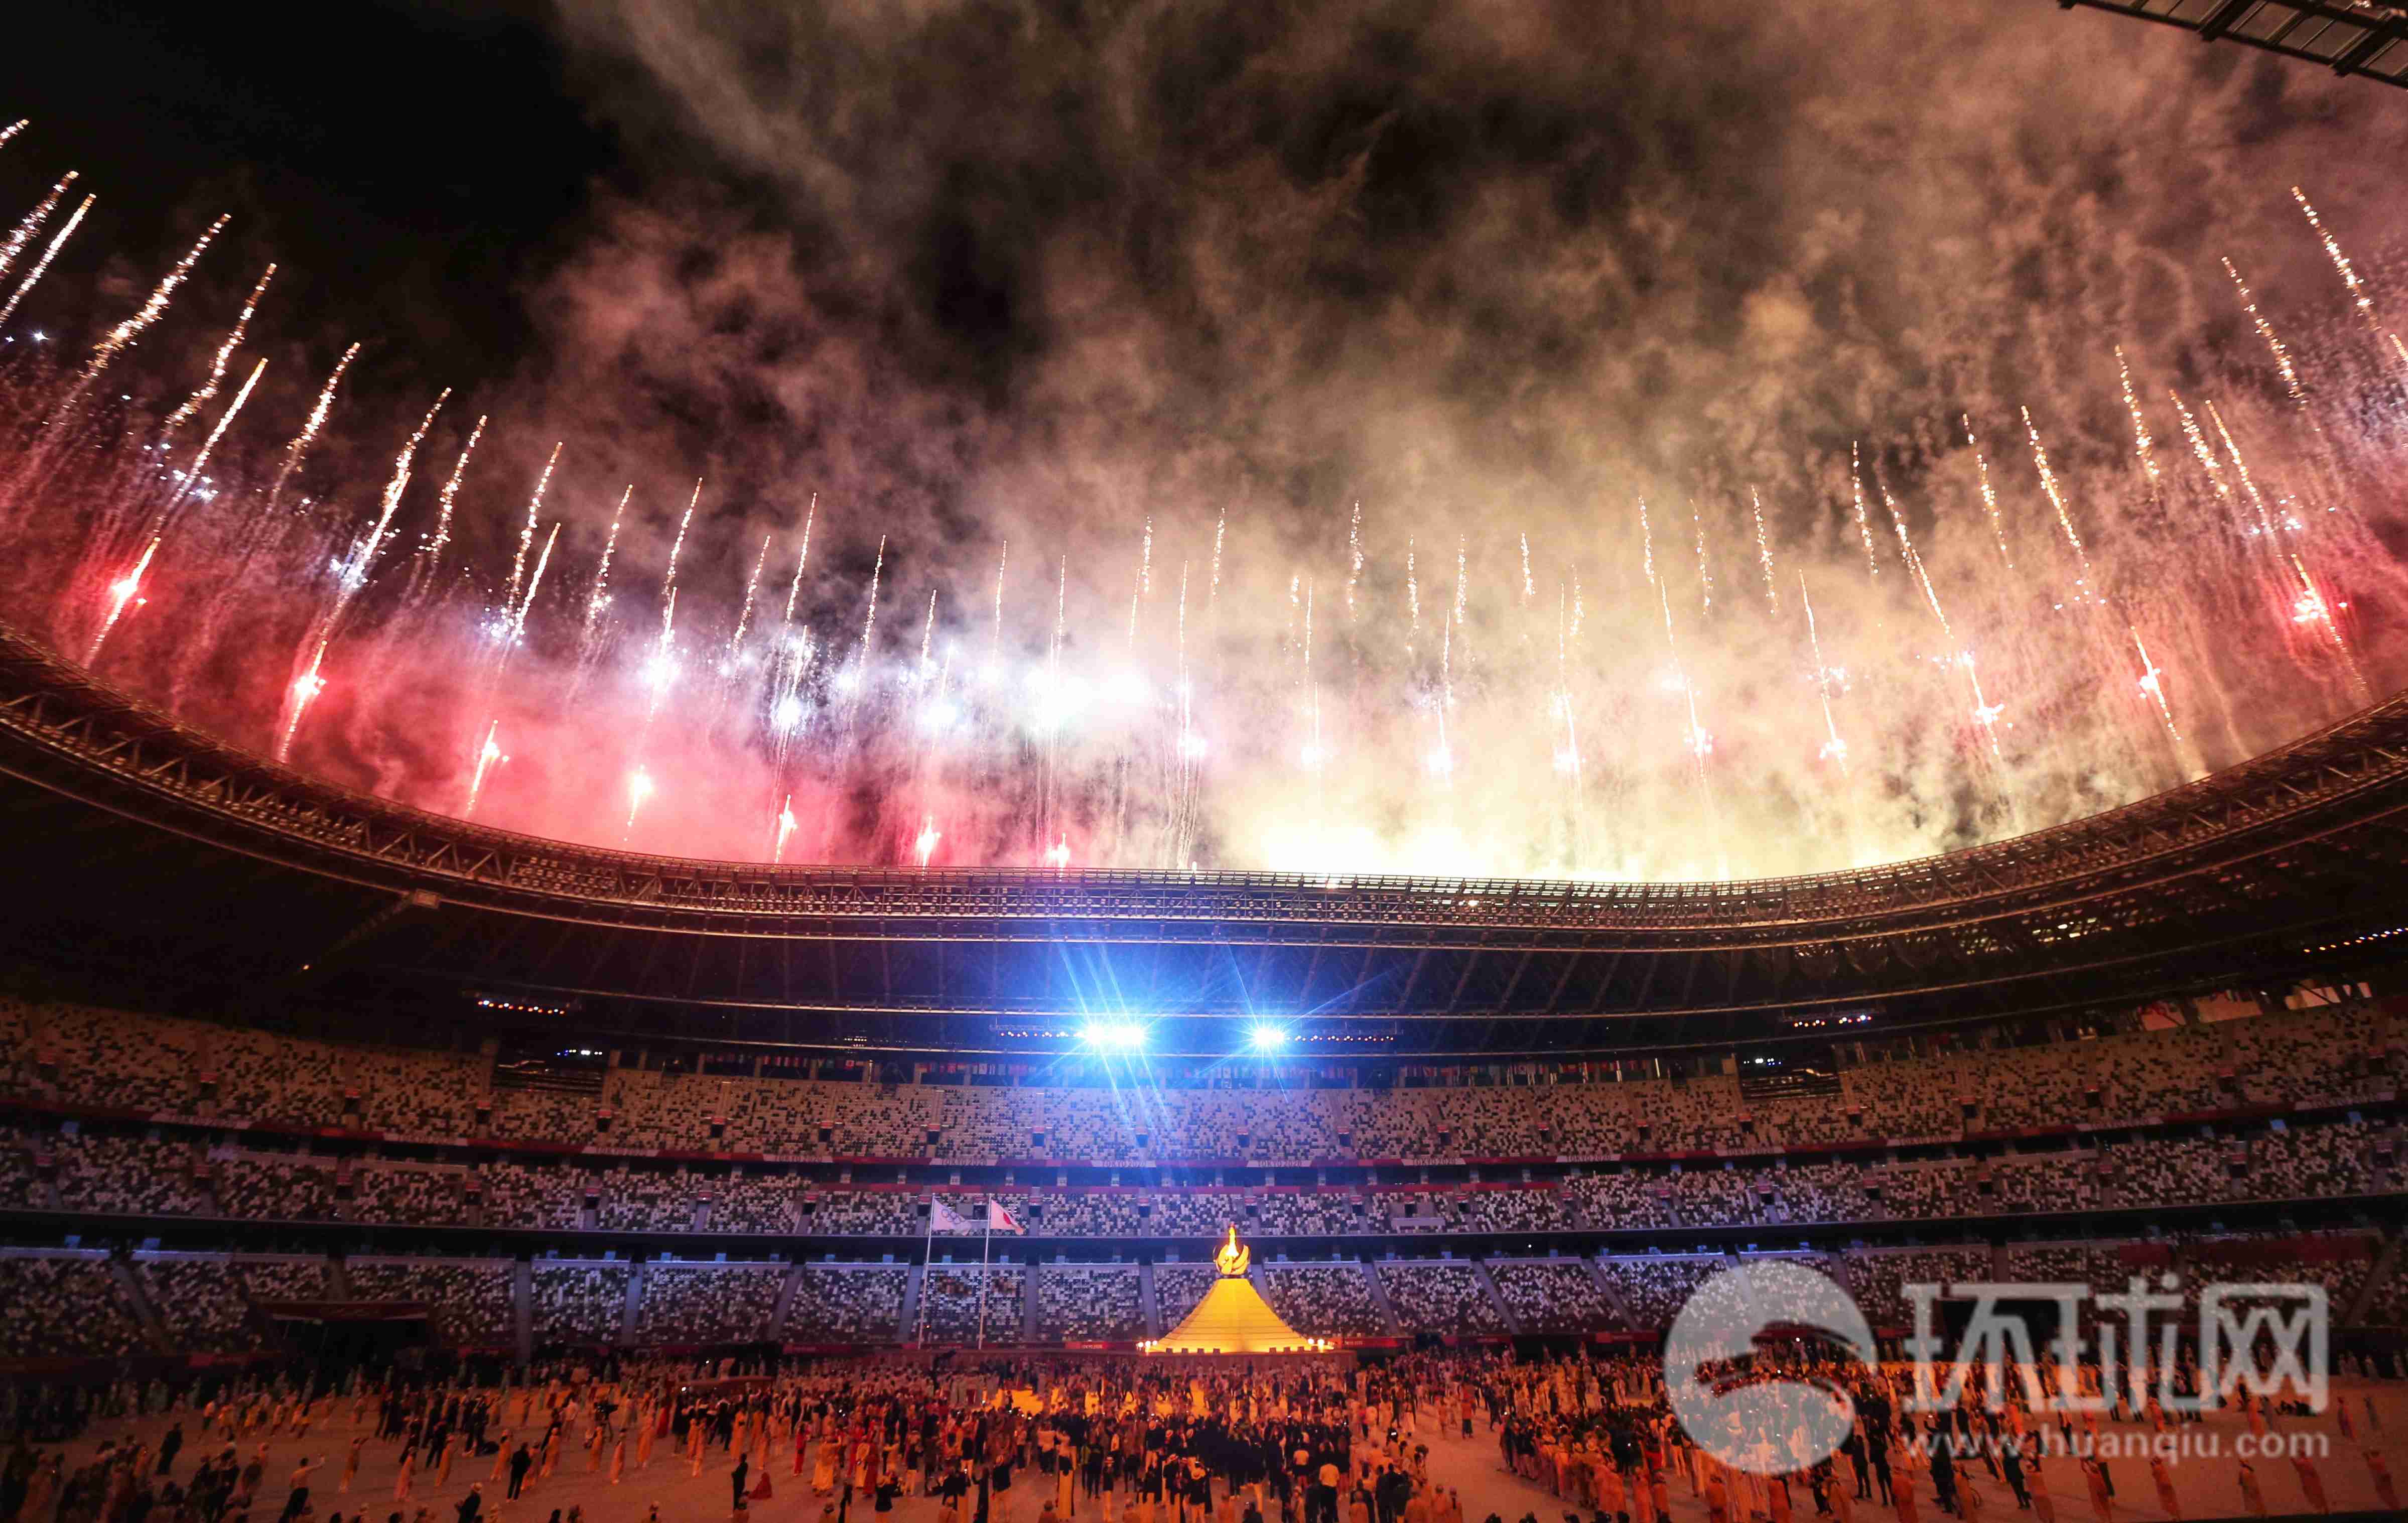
(986, 1243)
(927, 1266)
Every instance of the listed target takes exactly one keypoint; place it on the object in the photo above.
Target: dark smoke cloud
(1043, 273)
(1040, 272)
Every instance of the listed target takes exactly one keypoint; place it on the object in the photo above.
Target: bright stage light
(1114, 1036)
(1267, 1039)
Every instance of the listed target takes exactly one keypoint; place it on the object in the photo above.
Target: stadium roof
(2348, 37)
(147, 854)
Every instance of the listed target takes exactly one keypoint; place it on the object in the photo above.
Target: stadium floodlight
(1114, 1036)
(1267, 1038)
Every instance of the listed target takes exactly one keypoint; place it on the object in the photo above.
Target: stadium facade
(282, 1051)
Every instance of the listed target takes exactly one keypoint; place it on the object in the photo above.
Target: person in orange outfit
(2311, 1482)
(2043, 1505)
(2094, 1476)
(2164, 1478)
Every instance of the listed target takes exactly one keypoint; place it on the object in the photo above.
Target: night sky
(1163, 245)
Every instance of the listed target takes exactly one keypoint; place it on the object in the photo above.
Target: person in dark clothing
(1943, 1470)
(297, 1500)
(1854, 1447)
(16, 1477)
(1881, 1472)
(737, 1478)
(521, 1462)
(2010, 1462)
(473, 1503)
(170, 1443)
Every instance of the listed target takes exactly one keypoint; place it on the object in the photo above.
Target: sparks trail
(1705, 575)
(1834, 749)
(1220, 531)
(125, 590)
(2193, 558)
(442, 535)
(662, 669)
(744, 613)
(351, 576)
(2313, 609)
(639, 787)
(61, 425)
(207, 389)
(526, 532)
(1863, 517)
(489, 756)
(995, 636)
(928, 635)
(2143, 447)
(49, 252)
(514, 624)
(2360, 298)
(2083, 588)
(858, 678)
(1985, 713)
(194, 479)
(2152, 683)
(1764, 554)
(599, 597)
(296, 451)
(1989, 494)
(783, 826)
(791, 661)
(21, 237)
(129, 333)
(1355, 555)
(2292, 387)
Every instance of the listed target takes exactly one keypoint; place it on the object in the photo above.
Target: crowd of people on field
(1310, 1439)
